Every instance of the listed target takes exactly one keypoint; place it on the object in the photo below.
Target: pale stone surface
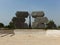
(53, 33)
(31, 37)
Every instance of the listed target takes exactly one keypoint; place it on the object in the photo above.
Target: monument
(40, 20)
(19, 20)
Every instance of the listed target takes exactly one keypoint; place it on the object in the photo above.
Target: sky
(8, 8)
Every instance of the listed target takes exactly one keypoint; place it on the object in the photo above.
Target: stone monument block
(38, 25)
(23, 14)
(41, 19)
(37, 14)
(19, 20)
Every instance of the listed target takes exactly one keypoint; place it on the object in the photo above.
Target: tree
(1, 25)
(51, 25)
(58, 27)
(11, 25)
(7, 26)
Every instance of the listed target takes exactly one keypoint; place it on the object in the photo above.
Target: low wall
(54, 33)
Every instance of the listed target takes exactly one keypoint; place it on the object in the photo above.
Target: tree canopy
(51, 25)
(1, 25)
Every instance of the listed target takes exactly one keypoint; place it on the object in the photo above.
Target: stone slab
(22, 14)
(41, 19)
(37, 14)
(38, 25)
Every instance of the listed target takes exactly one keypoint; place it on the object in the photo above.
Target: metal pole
(29, 21)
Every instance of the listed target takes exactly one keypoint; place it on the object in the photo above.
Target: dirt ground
(30, 37)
